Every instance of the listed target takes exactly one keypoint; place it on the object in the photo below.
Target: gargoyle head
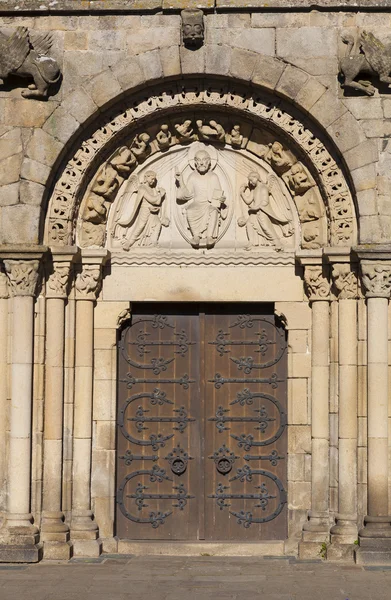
(192, 28)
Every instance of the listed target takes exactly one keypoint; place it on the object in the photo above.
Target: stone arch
(305, 149)
(90, 100)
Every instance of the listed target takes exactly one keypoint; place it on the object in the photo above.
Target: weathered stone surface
(102, 88)
(151, 65)
(218, 59)
(19, 223)
(192, 61)
(128, 73)
(268, 71)
(243, 63)
(170, 61)
(291, 82)
(43, 147)
(306, 41)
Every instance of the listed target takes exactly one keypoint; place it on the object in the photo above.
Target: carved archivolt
(220, 120)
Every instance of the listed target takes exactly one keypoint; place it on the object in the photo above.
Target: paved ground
(195, 578)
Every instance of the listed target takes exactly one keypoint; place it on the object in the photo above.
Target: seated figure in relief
(143, 219)
(206, 200)
(265, 224)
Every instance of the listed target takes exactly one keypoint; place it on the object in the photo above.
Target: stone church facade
(195, 273)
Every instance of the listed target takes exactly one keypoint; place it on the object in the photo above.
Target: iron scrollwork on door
(178, 459)
(155, 518)
(247, 518)
(224, 459)
(263, 343)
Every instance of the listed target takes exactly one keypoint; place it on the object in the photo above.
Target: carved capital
(316, 283)
(22, 276)
(3, 284)
(88, 282)
(376, 279)
(57, 283)
(345, 280)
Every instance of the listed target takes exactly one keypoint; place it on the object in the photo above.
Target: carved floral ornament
(58, 280)
(345, 280)
(22, 276)
(217, 132)
(88, 282)
(316, 283)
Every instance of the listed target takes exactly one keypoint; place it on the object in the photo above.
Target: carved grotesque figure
(298, 179)
(192, 28)
(140, 146)
(205, 198)
(265, 224)
(143, 218)
(278, 157)
(212, 132)
(366, 55)
(20, 56)
(184, 131)
(163, 137)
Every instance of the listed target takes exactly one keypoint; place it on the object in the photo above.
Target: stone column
(3, 384)
(84, 530)
(20, 538)
(54, 532)
(344, 533)
(375, 536)
(316, 530)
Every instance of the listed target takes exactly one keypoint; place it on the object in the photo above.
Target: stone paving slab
(193, 578)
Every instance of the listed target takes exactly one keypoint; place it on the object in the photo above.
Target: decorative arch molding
(110, 149)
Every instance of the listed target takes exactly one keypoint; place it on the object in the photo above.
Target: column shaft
(3, 395)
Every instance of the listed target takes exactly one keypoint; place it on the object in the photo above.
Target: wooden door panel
(201, 450)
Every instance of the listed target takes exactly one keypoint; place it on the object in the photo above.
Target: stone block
(298, 340)
(103, 364)
(104, 435)
(192, 61)
(299, 365)
(376, 128)
(328, 109)
(340, 552)
(362, 439)
(86, 548)
(364, 108)
(31, 192)
(346, 132)
(297, 314)
(34, 171)
(107, 313)
(10, 143)
(10, 169)
(310, 93)
(109, 545)
(128, 72)
(291, 82)
(298, 402)
(299, 495)
(57, 550)
(103, 88)
(371, 229)
(20, 224)
(20, 554)
(306, 41)
(243, 63)
(310, 550)
(218, 59)
(27, 113)
(170, 61)
(296, 467)
(321, 67)
(103, 474)
(364, 178)
(75, 40)
(151, 65)
(267, 71)
(105, 338)
(279, 19)
(61, 125)
(261, 41)
(107, 39)
(152, 38)
(365, 153)
(299, 439)
(9, 194)
(43, 147)
(80, 105)
(104, 404)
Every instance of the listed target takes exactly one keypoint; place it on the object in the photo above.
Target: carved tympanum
(376, 279)
(23, 276)
(204, 201)
(23, 56)
(316, 283)
(192, 27)
(365, 55)
(268, 218)
(88, 282)
(57, 282)
(345, 280)
(141, 213)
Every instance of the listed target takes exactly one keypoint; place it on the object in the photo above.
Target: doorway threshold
(179, 548)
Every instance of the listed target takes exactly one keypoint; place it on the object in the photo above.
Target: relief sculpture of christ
(204, 199)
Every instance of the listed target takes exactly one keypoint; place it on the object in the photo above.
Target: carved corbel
(345, 281)
(376, 279)
(192, 28)
(316, 282)
(22, 276)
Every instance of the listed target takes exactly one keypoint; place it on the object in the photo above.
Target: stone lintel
(22, 252)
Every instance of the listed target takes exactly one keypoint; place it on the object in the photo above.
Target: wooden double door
(201, 441)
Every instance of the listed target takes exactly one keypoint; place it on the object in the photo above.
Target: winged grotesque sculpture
(21, 56)
(366, 55)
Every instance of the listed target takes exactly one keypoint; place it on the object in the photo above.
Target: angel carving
(140, 214)
(24, 58)
(268, 216)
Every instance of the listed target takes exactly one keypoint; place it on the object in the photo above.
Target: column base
(374, 542)
(53, 528)
(19, 543)
(87, 548)
(317, 528)
(57, 550)
(312, 550)
(340, 552)
(345, 532)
